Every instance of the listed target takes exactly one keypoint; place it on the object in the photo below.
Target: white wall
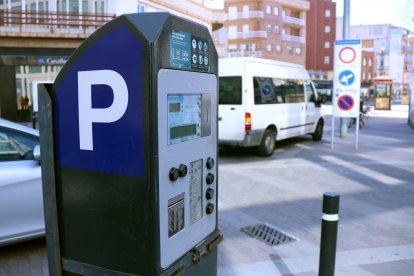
(119, 7)
(396, 69)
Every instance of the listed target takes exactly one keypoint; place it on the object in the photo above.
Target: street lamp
(382, 65)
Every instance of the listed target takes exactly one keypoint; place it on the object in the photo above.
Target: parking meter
(129, 151)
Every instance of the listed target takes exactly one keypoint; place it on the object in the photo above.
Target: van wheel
(317, 135)
(267, 146)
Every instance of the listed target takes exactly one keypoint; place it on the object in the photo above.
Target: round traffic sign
(266, 89)
(346, 77)
(345, 102)
(347, 55)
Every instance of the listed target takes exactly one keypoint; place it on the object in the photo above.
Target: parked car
(21, 198)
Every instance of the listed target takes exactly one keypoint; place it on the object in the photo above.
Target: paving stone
(376, 215)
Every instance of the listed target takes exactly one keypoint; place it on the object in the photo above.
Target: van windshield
(230, 90)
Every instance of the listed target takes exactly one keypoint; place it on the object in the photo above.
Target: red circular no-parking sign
(347, 55)
(345, 102)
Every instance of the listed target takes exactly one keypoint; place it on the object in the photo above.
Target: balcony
(408, 58)
(191, 8)
(293, 38)
(50, 24)
(242, 53)
(245, 35)
(245, 15)
(293, 21)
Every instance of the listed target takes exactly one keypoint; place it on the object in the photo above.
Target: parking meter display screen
(184, 118)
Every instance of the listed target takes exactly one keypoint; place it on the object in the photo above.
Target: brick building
(320, 38)
(272, 29)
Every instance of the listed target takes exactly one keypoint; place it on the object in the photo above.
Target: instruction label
(188, 51)
(180, 49)
(196, 185)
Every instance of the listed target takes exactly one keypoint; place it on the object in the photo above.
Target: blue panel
(117, 146)
(347, 42)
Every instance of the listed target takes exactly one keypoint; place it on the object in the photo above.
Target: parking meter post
(48, 180)
(130, 151)
(329, 232)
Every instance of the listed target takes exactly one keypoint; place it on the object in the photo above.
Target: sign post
(347, 83)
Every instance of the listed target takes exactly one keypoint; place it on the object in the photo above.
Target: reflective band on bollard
(329, 232)
(330, 217)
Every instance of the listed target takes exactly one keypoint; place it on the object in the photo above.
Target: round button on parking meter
(182, 170)
(173, 175)
(209, 209)
(209, 193)
(210, 178)
(210, 163)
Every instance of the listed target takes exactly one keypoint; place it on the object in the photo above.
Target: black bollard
(329, 232)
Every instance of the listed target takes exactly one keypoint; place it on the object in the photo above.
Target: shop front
(20, 70)
(383, 92)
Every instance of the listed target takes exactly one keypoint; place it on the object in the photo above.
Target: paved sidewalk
(375, 181)
(376, 184)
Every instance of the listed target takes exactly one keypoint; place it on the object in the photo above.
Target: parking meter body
(135, 150)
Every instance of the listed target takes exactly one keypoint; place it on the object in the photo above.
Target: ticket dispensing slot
(175, 214)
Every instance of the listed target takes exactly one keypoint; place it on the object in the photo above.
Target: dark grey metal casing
(102, 210)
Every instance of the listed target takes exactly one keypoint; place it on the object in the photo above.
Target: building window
(268, 9)
(245, 28)
(269, 47)
(364, 61)
(326, 60)
(327, 29)
(35, 69)
(141, 8)
(233, 31)
(276, 29)
(251, 47)
(269, 28)
(232, 47)
(232, 12)
(327, 13)
(278, 48)
(370, 62)
(246, 8)
(298, 51)
(276, 11)
(327, 45)
(289, 50)
(243, 47)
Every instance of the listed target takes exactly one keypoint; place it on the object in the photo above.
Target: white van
(262, 101)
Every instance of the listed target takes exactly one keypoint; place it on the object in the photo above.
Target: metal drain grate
(268, 234)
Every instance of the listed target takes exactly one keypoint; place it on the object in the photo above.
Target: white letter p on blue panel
(89, 115)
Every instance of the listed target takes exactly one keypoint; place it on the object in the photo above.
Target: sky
(365, 12)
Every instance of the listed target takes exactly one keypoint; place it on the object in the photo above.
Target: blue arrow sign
(346, 77)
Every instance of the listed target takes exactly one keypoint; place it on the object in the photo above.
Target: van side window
(264, 91)
(294, 92)
(310, 92)
(230, 90)
(278, 91)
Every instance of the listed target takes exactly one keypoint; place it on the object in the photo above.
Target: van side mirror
(36, 153)
(321, 99)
